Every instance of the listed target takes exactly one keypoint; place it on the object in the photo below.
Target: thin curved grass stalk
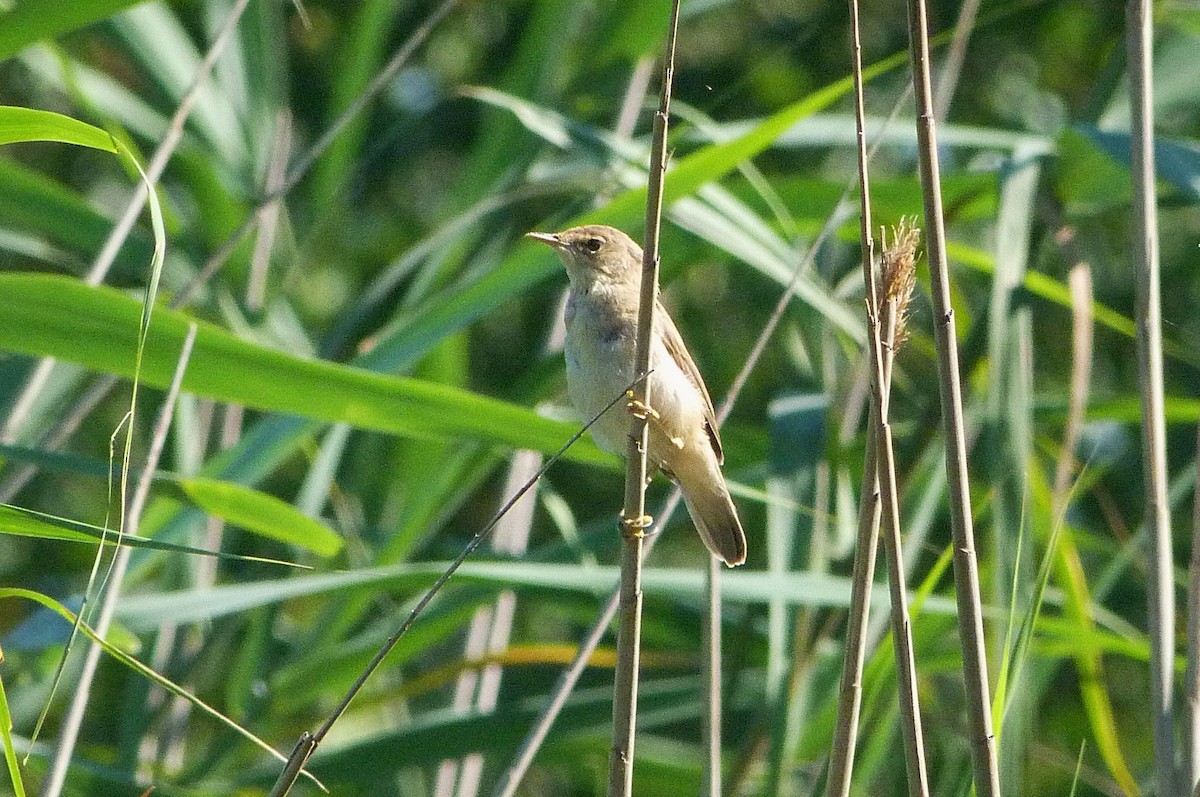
(69, 733)
(966, 566)
(167, 745)
(845, 736)
(1160, 591)
(147, 672)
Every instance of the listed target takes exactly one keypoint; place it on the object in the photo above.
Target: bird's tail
(715, 516)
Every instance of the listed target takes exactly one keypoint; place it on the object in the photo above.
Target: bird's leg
(650, 415)
(636, 527)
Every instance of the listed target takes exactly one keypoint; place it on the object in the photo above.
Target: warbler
(604, 267)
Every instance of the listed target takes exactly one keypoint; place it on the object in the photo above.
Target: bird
(603, 266)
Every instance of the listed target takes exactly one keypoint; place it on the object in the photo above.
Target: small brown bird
(604, 266)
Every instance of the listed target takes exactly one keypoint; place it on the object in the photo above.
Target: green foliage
(387, 349)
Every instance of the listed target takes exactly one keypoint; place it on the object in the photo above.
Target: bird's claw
(635, 527)
(640, 409)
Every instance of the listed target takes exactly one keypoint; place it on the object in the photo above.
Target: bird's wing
(678, 352)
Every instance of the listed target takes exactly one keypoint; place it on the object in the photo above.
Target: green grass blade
(10, 753)
(262, 514)
(98, 327)
(29, 124)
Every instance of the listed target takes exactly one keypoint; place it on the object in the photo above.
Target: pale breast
(600, 349)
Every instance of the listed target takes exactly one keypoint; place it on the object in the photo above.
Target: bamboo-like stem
(906, 671)
(845, 735)
(1160, 593)
(966, 567)
(625, 681)
(711, 783)
(884, 335)
(69, 733)
(507, 785)
(880, 500)
(634, 520)
(845, 732)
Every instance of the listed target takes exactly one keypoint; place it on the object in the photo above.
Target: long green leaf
(29, 124)
(261, 513)
(149, 610)
(22, 522)
(97, 327)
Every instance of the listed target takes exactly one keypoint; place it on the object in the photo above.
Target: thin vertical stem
(69, 734)
(625, 682)
(845, 734)
(845, 737)
(634, 520)
(1192, 679)
(711, 785)
(966, 567)
(906, 671)
(1160, 597)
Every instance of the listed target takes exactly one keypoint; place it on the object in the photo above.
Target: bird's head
(595, 253)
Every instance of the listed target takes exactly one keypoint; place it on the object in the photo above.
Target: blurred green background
(400, 253)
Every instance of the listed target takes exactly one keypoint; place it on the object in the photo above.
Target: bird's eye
(593, 245)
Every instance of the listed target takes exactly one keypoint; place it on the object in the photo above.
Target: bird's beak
(550, 239)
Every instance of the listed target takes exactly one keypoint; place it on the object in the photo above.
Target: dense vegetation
(398, 259)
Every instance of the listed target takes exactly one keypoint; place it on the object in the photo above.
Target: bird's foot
(635, 527)
(641, 409)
